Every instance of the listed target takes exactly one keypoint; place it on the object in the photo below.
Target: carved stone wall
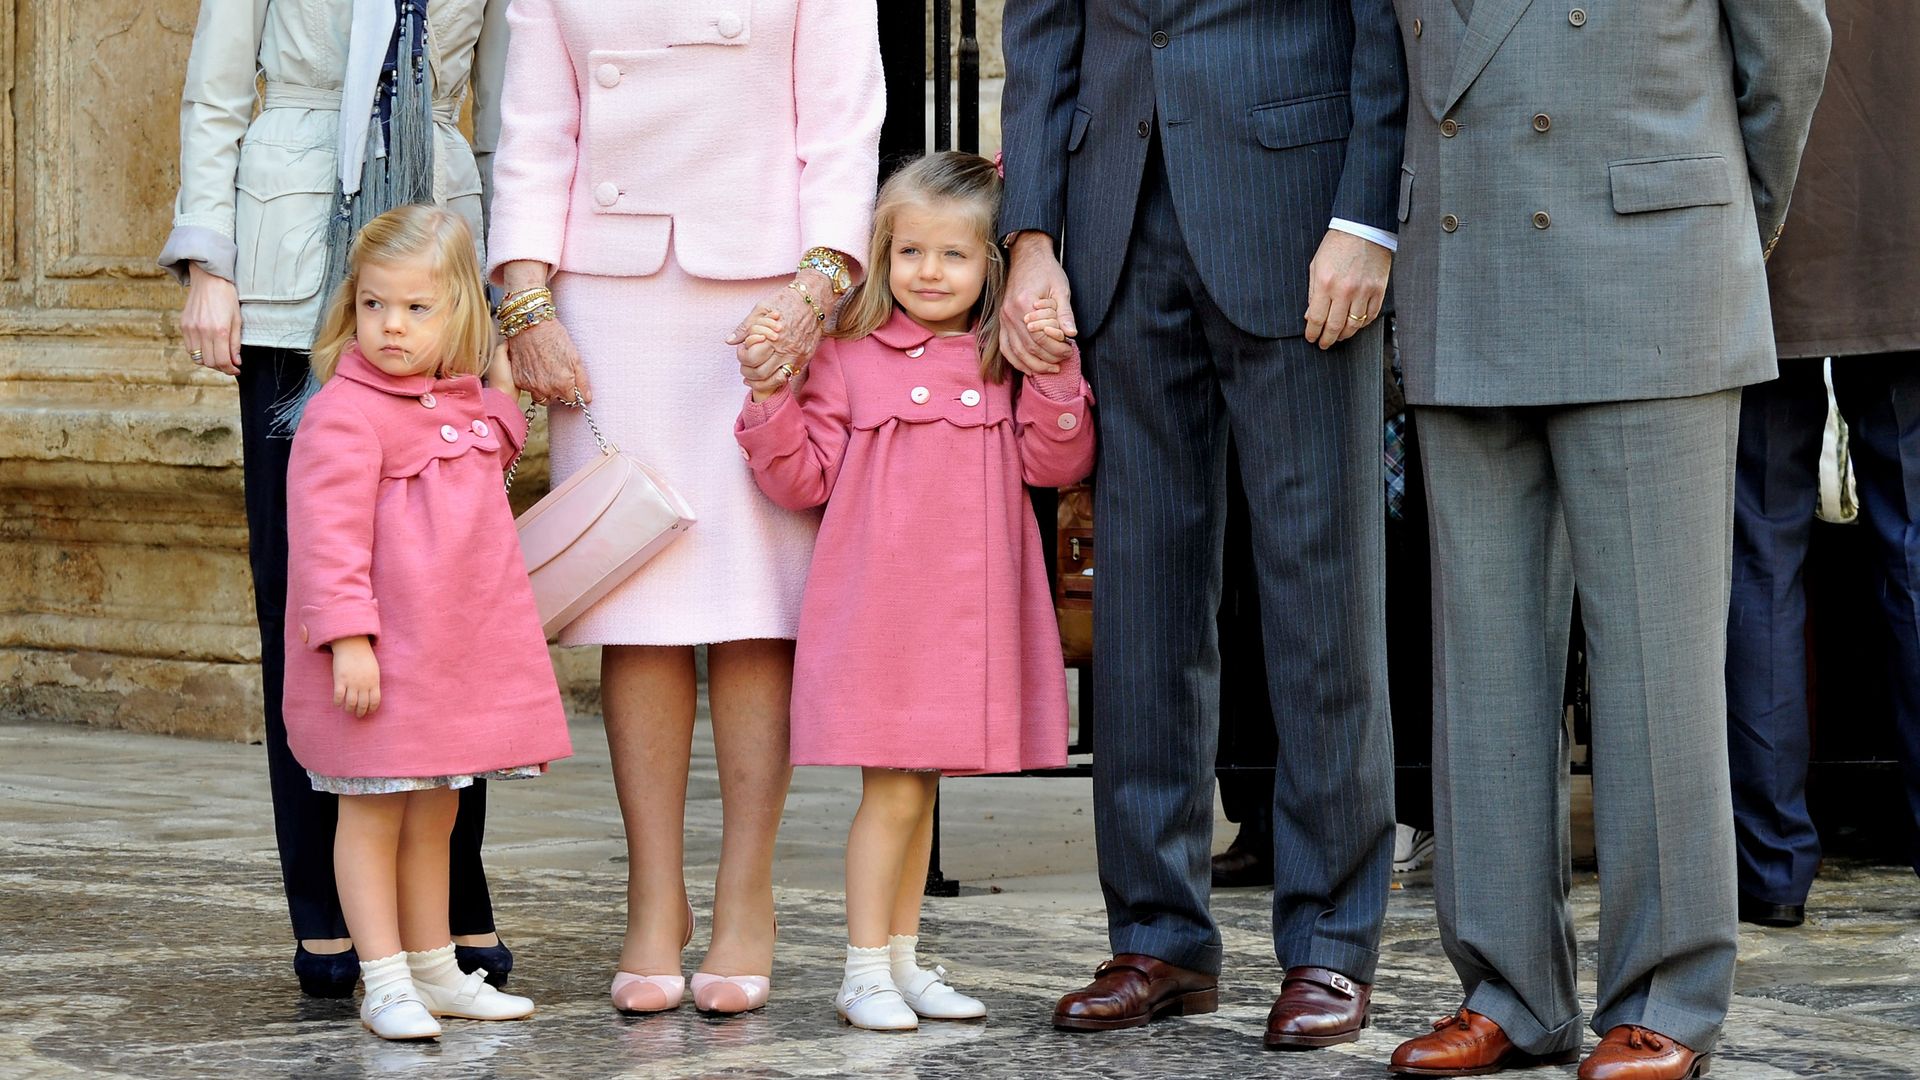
(125, 598)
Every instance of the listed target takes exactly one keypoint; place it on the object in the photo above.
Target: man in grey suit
(1220, 175)
(1589, 192)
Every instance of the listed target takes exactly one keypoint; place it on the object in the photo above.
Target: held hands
(786, 310)
(1345, 287)
(1034, 275)
(210, 321)
(1048, 332)
(356, 675)
(499, 373)
(761, 366)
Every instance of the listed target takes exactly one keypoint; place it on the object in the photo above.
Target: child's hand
(760, 366)
(1043, 323)
(356, 676)
(500, 372)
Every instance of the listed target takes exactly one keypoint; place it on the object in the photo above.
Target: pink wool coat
(927, 635)
(398, 528)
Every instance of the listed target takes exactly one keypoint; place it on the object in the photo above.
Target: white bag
(1839, 499)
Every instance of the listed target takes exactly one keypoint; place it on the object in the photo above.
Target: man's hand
(1033, 275)
(1345, 286)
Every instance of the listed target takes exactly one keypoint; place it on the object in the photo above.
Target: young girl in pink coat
(415, 658)
(927, 641)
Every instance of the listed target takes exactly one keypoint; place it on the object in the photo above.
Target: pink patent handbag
(594, 531)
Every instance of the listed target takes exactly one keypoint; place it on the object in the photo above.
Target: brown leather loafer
(1247, 863)
(1132, 989)
(1467, 1044)
(1317, 1007)
(1631, 1052)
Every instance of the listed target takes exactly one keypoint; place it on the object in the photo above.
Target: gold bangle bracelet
(818, 312)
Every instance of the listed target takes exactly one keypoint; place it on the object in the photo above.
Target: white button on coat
(920, 395)
(607, 76)
(427, 400)
(916, 351)
(1067, 421)
(969, 398)
(729, 25)
(480, 428)
(606, 194)
(448, 432)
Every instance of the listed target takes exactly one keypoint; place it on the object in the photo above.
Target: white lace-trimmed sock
(901, 959)
(436, 966)
(384, 972)
(866, 962)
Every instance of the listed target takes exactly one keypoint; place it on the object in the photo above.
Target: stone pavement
(142, 934)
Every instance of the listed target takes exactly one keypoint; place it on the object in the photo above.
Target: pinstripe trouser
(1173, 377)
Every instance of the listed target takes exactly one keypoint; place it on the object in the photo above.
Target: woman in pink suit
(664, 165)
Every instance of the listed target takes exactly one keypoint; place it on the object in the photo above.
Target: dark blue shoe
(326, 975)
(496, 959)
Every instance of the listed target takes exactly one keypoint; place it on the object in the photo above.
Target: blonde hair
(948, 178)
(403, 233)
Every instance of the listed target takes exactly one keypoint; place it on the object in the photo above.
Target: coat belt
(282, 95)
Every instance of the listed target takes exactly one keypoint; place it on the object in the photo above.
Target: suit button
(480, 428)
(969, 398)
(1416, 27)
(1449, 127)
(606, 194)
(427, 400)
(1067, 421)
(729, 25)
(449, 433)
(1578, 16)
(1159, 39)
(1541, 220)
(1448, 223)
(917, 351)
(607, 76)
(920, 395)
(1145, 129)
(1541, 122)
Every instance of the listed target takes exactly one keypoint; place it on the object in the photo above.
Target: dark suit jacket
(1274, 116)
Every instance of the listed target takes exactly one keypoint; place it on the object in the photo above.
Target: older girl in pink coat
(415, 659)
(927, 638)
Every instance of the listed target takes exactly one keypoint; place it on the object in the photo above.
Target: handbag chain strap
(578, 402)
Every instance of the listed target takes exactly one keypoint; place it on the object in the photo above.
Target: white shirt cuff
(1367, 232)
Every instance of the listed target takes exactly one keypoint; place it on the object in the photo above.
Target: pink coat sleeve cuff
(1063, 386)
(322, 626)
(505, 413)
(755, 413)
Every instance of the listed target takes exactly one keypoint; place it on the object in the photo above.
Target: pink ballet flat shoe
(640, 994)
(728, 994)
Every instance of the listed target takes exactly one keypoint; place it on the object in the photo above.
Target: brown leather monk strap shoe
(1467, 1044)
(1631, 1052)
(1317, 1007)
(1132, 989)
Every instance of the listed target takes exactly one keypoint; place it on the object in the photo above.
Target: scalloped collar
(356, 367)
(901, 332)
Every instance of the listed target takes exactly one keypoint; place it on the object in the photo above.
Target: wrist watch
(830, 264)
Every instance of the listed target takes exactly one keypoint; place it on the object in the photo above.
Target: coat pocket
(283, 196)
(1641, 185)
(1406, 192)
(1302, 121)
(1078, 133)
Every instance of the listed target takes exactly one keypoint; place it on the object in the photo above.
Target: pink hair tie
(1000, 164)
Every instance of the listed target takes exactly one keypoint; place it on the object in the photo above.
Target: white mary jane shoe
(474, 999)
(395, 1011)
(929, 996)
(876, 1005)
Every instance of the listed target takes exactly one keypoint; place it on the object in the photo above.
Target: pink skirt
(666, 388)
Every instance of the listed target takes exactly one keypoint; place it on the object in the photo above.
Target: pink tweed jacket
(398, 528)
(741, 129)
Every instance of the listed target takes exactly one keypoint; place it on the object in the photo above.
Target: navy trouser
(1775, 491)
(303, 819)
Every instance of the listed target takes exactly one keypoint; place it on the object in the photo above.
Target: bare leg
(749, 685)
(892, 804)
(913, 873)
(422, 880)
(648, 694)
(366, 857)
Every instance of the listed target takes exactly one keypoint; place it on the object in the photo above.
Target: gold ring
(1351, 317)
(787, 372)
(197, 355)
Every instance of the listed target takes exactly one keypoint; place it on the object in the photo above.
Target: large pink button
(480, 428)
(607, 76)
(448, 433)
(729, 25)
(1067, 421)
(606, 194)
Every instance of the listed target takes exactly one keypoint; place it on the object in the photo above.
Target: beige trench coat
(255, 190)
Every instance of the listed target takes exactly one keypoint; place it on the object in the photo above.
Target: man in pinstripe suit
(1220, 175)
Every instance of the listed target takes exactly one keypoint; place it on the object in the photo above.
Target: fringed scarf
(386, 142)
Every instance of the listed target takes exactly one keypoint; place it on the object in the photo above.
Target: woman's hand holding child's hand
(356, 675)
(1048, 332)
(500, 372)
(762, 365)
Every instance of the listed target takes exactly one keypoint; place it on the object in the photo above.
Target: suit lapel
(1465, 8)
(1490, 23)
